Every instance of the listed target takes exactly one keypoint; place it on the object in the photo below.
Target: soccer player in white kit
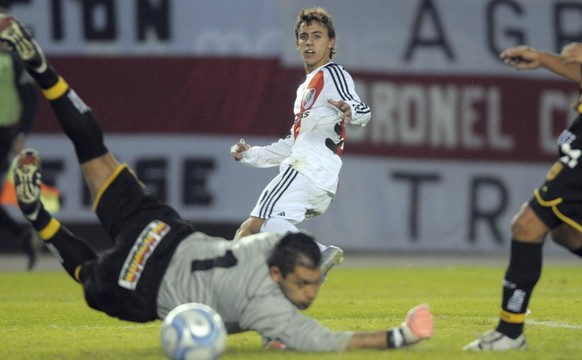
(309, 158)
(158, 261)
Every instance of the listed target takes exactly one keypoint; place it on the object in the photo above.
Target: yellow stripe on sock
(57, 90)
(512, 318)
(50, 230)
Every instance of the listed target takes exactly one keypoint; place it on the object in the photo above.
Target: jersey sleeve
(270, 155)
(277, 320)
(343, 88)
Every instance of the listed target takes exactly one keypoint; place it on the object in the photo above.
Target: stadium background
(456, 143)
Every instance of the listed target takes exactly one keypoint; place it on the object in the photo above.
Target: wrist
(394, 338)
(409, 337)
(400, 336)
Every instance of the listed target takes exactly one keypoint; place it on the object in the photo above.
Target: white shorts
(293, 197)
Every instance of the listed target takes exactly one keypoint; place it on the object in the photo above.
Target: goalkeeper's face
(301, 286)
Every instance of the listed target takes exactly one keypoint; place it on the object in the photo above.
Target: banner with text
(412, 36)
(382, 203)
(446, 117)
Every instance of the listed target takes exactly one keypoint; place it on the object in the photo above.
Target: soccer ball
(193, 331)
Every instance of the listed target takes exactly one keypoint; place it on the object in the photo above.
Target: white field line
(553, 324)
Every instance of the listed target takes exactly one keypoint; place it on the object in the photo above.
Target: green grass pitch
(43, 316)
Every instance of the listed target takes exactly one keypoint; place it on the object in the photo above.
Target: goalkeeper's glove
(417, 326)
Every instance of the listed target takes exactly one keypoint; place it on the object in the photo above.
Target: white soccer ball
(193, 331)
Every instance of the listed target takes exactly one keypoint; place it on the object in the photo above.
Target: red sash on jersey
(310, 95)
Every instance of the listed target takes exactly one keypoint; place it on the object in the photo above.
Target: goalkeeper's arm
(417, 326)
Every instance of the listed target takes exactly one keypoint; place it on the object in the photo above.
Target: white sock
(278, 225)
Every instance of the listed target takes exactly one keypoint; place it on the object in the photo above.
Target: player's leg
(250, 226)
(74, 116)
(283, 204)
(276, 224)
(69, 249)
(330, 255)
(524, 270)
(521, 276)
(568, 237)
(255, 225)
(286, 201)
(268, 215)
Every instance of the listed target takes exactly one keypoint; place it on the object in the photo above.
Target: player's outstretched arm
(527, 58)
(417, 326)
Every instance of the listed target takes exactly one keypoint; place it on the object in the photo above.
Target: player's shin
(70, 250)
(522, 275)
(79, 123)
(74, 116)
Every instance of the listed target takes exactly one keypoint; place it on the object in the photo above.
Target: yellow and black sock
(75, 117)
(523, 273)
(70, 250)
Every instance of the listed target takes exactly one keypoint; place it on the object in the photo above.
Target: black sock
(523, 273)
(74, 116)
(47, 79)
(71, 250)
(80, 125)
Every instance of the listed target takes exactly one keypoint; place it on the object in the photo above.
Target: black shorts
(123, 281)
(559, 199)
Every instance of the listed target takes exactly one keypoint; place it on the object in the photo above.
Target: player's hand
(238, 149)
(344, 108)
(572, 53)
(522, 57)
